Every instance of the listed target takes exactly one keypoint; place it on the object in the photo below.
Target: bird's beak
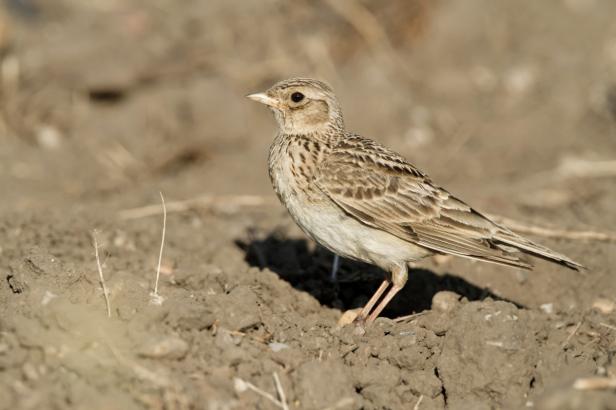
(264, 99)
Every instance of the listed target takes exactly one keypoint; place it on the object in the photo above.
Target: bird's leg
(399, 276)
(335, 266)
(375, 298)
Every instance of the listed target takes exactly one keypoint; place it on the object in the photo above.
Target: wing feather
(381, 189)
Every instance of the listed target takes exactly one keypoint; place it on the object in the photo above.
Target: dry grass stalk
(582, 168)
(607, 326)
(573, 332)
(553, 233)
(259, 339)
(204, 201)
(572, 167)
(409, 317)
(595, 383)
(100, 274)
(416, 407)
(280, 390)
(242, 385)
(156, 298)
(343, 403)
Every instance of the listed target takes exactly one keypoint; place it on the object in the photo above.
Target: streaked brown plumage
(365, 202)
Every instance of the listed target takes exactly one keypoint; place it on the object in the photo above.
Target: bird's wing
(381, 189)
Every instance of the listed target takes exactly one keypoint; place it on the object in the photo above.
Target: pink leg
(375, 298)
(399, 276)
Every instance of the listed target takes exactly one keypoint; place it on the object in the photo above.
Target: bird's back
(381, 189)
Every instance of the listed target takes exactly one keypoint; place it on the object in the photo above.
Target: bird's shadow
(309, 270)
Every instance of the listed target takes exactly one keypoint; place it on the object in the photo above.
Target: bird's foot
(353, 316)
(348, 317)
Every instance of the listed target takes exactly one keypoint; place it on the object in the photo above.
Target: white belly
(349, 238)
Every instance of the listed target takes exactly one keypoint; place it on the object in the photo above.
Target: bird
(365, 202)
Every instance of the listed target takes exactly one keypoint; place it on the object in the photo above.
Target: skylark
(364, 202)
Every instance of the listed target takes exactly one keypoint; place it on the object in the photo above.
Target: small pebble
(604, 306)
(547, 308)
(171, 347)
(520, 79)
(30, 372)
(359, 331)
(48, 137)
(48, 297)
(445, 301)
(276, 346)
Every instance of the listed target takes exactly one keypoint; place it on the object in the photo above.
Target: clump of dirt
(223, 320)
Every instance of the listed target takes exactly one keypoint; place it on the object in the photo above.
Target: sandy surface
(104, 104)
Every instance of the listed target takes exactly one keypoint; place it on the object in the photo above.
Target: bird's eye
(297, 97)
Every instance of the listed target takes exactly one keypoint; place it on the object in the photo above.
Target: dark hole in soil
(107, 95)
(14, 285)
(443, 390)
(309, 270)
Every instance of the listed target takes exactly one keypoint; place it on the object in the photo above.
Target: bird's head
(302, 106)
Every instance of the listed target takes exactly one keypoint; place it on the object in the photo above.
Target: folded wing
(381, 189)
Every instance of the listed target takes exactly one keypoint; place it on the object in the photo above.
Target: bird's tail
(510, 239)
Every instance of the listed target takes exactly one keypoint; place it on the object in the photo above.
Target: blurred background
(113, 100)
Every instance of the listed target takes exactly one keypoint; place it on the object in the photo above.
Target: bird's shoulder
(359, 168)
(354, 151)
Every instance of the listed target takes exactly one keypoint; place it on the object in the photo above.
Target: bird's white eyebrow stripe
(301, 82)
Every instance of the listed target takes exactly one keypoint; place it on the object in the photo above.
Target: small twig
(242, 385)
(595, 383)
(407, 317)
(346, 351)
(281, 395)
(162, 242)
(571, 167)
(608, 326)
(573, 332)
(342, 403)
(595, 340)
(416, 407)
(156, 297)
(205, 201)
(100, 274)
(553, 233)
(583, 168)
(263, 340)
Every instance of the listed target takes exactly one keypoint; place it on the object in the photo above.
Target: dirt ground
(104, 104)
